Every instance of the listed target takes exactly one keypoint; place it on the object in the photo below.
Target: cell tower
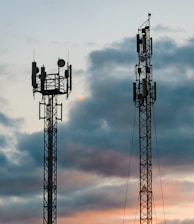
(50, 86)
(144, 96)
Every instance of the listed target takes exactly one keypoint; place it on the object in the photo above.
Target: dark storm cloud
(32, 148)
(97, 137)
(105, 162)
(16, 212)
(16, 178)
(20, 181)
(98, 131)
(94, 200)
(99, 196)
(120, 53)
(104, 120)
(3, 141)
(3, 159)
(168, 53)
(174, 117)
(20, 169)
(100, 127)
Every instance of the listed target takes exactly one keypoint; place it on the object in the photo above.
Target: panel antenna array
(144, 96)
(50, 86)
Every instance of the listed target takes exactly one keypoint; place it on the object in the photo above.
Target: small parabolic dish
(61, 63)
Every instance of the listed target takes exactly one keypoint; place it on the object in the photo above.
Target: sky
(98, 167)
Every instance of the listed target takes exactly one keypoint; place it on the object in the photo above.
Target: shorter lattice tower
(50, 86)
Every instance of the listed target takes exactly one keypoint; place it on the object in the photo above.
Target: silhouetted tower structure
(50, 86)
(144, 96)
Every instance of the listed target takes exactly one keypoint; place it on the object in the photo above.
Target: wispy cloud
(164, 28)
(9, 122)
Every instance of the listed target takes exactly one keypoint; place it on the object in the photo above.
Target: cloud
(167, 29)
(188, 221)
(169, 54)
(104, 120)
(118, 54)
(9, 122)
(31, 147)
(97, 141)
(100, 126)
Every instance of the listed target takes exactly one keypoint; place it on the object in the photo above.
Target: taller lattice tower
(144, 96)
(50, 86)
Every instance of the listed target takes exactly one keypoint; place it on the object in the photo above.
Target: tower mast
(144, 96)
(50, 86)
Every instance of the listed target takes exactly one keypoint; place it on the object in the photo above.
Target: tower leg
(50, 160)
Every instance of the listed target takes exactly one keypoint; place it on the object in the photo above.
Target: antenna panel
(138, 43)
(134, 91)
(35, 70)
(144, 87)
(70, 77)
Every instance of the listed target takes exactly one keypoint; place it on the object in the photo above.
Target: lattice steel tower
(50, 86)
(144, 96)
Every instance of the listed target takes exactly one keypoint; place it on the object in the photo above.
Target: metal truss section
(144, 96)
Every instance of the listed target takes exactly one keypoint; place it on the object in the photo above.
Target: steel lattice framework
(144, 96)
(50, 86)
(50, 160)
